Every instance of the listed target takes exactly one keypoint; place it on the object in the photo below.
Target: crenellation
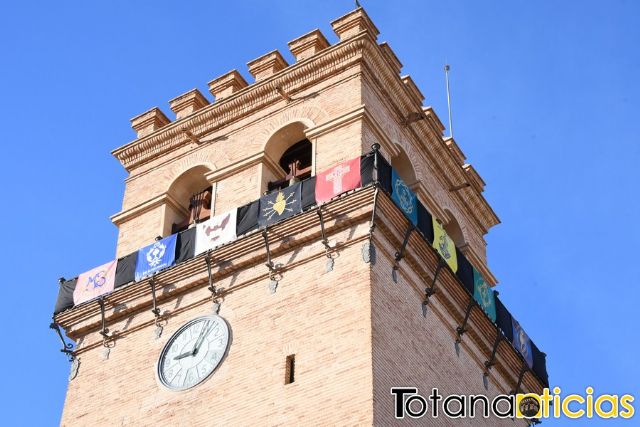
(149, 121)
(474, 178)
(226, 85)
(308, 45)
(391, 57)
(267, 65)
(413, 89)
(188, 103)
(353, 23)
(455, 149)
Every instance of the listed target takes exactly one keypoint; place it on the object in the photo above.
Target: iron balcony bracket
(104, 330)
(325, 241)
(67, 348)
(155, 310)
(523, 371)
(460, 330)
(400, 254)
(428, 292)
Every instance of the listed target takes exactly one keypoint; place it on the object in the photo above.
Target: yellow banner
(444, 245)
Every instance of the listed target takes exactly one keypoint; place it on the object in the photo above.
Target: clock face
(193, 352)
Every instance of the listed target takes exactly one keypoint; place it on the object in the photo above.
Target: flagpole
(446, 77)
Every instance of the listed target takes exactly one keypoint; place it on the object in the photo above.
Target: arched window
(454, 231)
(192, 193)
(292, 152)
(404, 167)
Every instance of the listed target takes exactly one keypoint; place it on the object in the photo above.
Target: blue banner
(404, 198)
(156, 257)
(522, 342)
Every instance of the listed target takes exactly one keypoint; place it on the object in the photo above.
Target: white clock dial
(193, 352)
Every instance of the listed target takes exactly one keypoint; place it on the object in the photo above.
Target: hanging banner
(65, 296)
(247, 217)
(483, 294)
(94, 283)
(404, 198)
(522, 342)
(337, 180)
(216, 231)
(279, 205)
(156, 257)
(444, 245)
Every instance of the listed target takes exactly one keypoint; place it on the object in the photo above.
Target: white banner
(216, 231)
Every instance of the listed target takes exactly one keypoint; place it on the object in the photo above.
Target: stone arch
(180, 167)
(188, 198)
(455, 229)
(309, 115)
(282, 146)
(402, 164)
(285, 136)
(187, 183)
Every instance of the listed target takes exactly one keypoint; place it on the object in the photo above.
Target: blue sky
(545, 101)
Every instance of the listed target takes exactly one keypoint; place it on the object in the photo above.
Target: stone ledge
(350, 209)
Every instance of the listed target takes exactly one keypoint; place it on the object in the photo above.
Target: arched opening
(291, 154)
(454, 231)
(402, 164)
(192, 194)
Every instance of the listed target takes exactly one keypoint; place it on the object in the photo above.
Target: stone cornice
(240, 165)
(427, 133)
(240, 104)
(162, 199)
(238, 255)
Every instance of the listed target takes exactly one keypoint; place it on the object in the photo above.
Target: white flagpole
(446, 77)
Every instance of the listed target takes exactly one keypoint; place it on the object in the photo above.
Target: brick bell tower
(322, 313)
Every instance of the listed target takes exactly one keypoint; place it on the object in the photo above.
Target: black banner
(279, 205)
(186, 245)
(126, 269)
(425, 223)
(465, 271)
(503, 319)
(247, 218)
(65, 296)
(308, 192)
(540, 364)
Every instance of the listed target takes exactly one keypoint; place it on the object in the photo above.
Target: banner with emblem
(155, 257)
(337, 180)
(522, 342)
(404, 197)
(216, 231)
(279, 205)
(95, 282)
(483, 294)
(444, 245)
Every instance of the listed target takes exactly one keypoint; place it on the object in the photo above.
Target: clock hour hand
(183, 355)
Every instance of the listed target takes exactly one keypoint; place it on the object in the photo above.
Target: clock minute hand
(198, 342)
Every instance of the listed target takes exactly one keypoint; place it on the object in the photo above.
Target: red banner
(337, 180)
